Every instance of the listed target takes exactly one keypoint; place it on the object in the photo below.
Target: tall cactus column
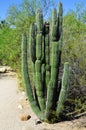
(45, 46)
(26, 78)
(64, 89)
(47, 54)
(56, 37)
(38, 63)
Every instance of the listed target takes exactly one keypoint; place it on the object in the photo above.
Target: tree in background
(80, 12)
(18, 15)
(9, 47)
(75, 40)
(3, 24)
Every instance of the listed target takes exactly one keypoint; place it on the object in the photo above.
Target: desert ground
(16, 113)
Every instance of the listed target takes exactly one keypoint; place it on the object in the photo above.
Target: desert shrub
(74, 51)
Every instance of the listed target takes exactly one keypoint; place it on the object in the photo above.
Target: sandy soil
(13, 105)
(9, 96)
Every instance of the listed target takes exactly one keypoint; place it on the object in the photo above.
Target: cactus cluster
(45, 46)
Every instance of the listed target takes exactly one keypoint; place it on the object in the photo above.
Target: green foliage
(4, 24)
(9, 50)
(10, 44)
(74, 44)
(74, 52)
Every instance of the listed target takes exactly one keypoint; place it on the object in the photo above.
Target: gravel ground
(13, 105)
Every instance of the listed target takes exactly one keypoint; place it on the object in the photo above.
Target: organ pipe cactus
(45, 45)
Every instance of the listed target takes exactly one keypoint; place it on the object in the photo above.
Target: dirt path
(13, 104)
(9, 96)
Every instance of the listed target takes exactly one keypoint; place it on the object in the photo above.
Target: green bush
(74, 51)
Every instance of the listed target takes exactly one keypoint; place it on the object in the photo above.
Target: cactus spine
(48, 97)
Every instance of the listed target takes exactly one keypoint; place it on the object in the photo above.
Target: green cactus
(39, 85)
(32, 42)
(26, 78)
(45, 45)
(39, 46)
(64, 89)
(39, 21)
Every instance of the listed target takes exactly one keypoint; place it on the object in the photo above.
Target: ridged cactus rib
(54, 61)
(39, 21)
(33, 69)
(64, 89)
(54, 25)
(49, 102)
(43, 50)
(54, 17)
(60, 9)
(32, 43)
(39, 85)
(60, 42)
(47, 77)
(47, 56)
(47, 59)
(39, 46)
(54, 33)
(60, 19)
(60, 25)
(46, 96)
(43, 73)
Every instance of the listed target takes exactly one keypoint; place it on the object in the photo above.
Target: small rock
(25, 117)
(37, 121)
(23, 93)
(3, 70)
(26, 98)
(20, 107)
